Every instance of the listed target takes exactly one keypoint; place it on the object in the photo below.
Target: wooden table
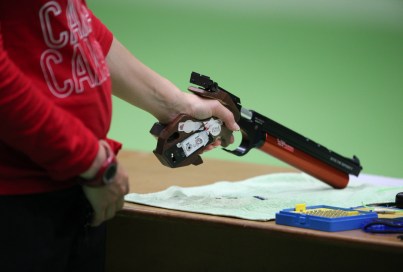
(142, 238)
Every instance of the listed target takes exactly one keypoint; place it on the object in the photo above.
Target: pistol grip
(181, 142)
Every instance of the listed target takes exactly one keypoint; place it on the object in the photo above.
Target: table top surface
(148, 175)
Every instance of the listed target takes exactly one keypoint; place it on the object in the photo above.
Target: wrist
(103, 168)
(168, 101)
(96, 163)
(179, 103)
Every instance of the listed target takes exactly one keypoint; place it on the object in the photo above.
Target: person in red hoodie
(59, 177)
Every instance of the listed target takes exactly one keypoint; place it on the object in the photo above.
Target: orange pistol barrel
(280, 149)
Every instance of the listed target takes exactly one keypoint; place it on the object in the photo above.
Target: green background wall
(330, 70)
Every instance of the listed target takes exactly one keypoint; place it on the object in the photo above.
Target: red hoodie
(55, 93)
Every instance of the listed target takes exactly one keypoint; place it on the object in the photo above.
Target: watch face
(110, 173)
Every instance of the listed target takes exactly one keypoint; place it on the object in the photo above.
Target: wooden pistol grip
(304, 162)
(169, 136)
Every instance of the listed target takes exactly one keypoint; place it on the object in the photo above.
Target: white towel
(259, 198)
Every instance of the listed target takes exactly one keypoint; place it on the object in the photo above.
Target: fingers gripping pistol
(181, 142)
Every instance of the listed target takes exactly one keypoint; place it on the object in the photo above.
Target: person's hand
(105, 200)
(202, 108)
(109, 199)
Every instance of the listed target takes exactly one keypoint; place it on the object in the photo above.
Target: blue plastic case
(311, 217)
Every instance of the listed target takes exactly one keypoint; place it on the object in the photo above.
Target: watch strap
(106, 172)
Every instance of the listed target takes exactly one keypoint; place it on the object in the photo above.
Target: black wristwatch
(106, 172)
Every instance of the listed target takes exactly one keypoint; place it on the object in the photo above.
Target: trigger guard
(239, 151)
(245, 146)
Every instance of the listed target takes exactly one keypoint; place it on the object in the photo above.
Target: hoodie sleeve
(31, 123)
